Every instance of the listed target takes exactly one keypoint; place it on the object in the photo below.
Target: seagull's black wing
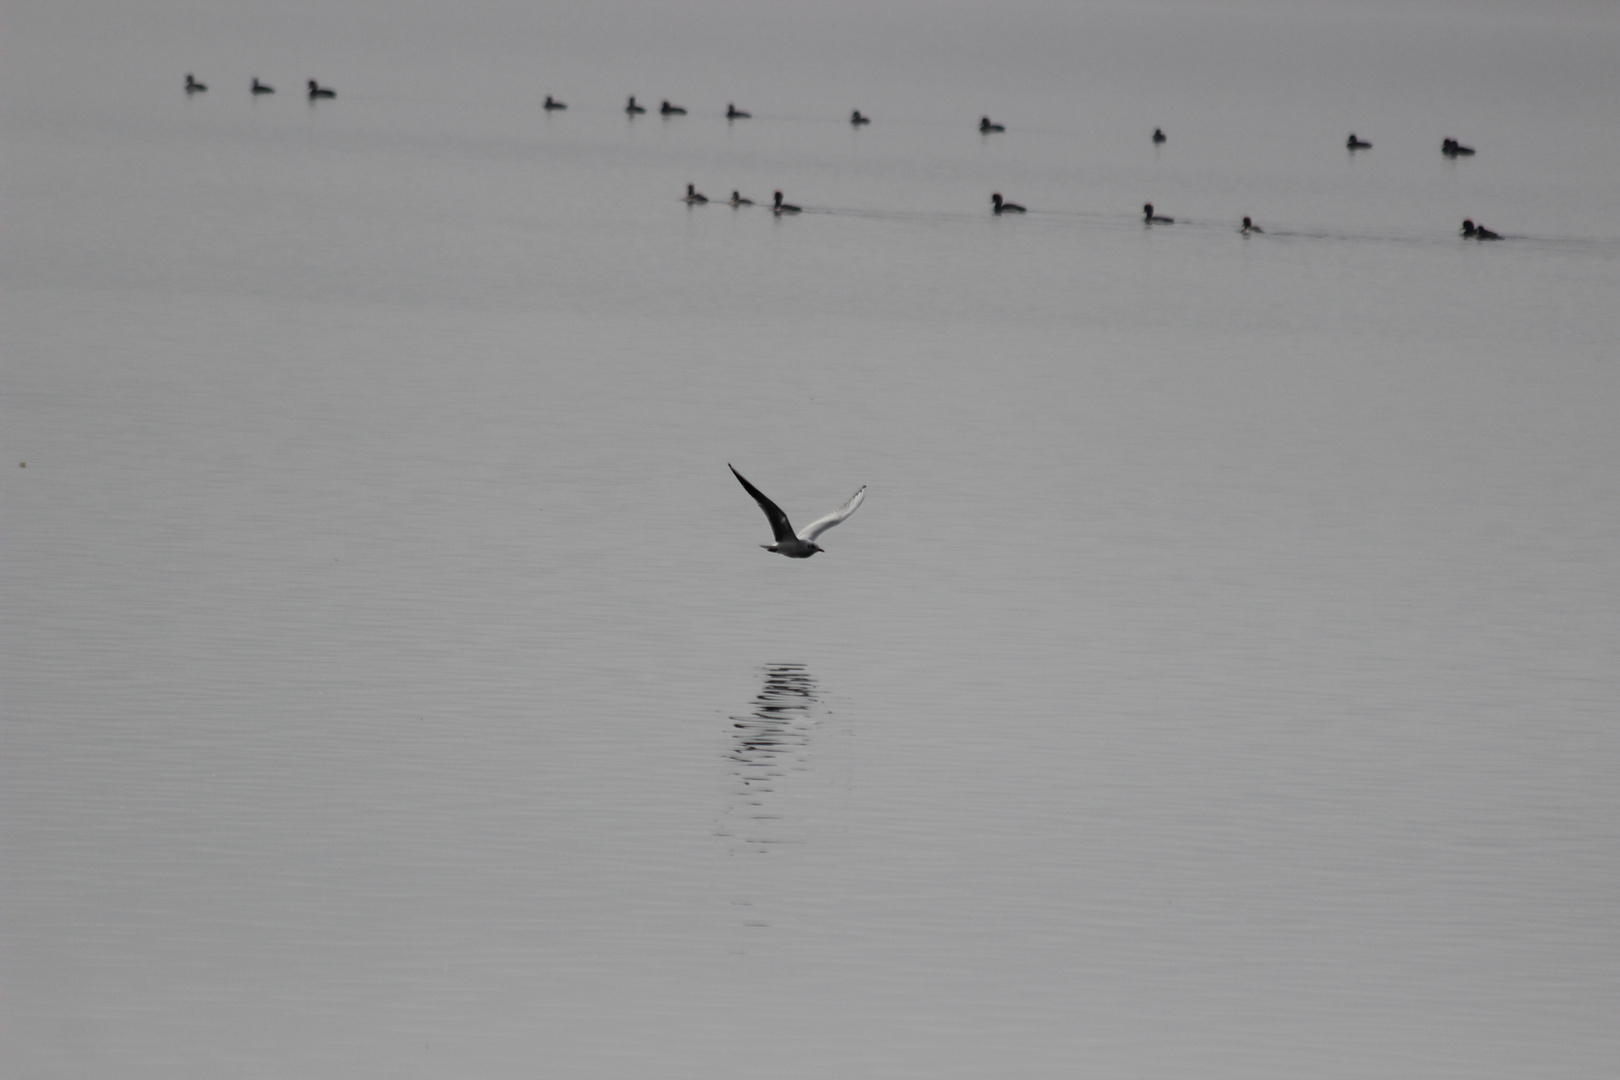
(778, 520)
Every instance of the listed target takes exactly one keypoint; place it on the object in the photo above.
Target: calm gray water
(1219, 680)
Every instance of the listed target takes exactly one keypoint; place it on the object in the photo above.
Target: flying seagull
(803, 545)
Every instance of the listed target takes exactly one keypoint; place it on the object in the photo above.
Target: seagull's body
(803, 545)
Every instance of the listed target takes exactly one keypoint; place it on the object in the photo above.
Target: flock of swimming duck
(317, 92)
(1450, 147)
(998, 205)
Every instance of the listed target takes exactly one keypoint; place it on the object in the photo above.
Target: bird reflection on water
(767, 745)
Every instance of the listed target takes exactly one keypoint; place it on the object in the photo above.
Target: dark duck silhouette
(1000, 206)
(1250, 227)
(632, 108)
(692, 195)
(553, 103)
(734, 113)
(193, 86)
(738, 200)
(857, 119)
(986, 127)
(781, 207)
(1155, 219)
(1353, 143)
(1477, 232)
(1159, 136)
(316, 90)
(671, 110)
(261, 88)
(1453, 148)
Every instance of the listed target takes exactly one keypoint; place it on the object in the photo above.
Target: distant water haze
(1218, 680)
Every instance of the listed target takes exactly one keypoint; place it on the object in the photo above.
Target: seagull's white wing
(821, 525)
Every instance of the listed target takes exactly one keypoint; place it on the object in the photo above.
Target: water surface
(1217, 681)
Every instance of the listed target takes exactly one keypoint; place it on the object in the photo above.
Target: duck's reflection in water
(766, 746)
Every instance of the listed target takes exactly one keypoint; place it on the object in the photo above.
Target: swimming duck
(857, 119)
(1353, 143)
(998, 206)
(633, 108)
(316, 90)
(1250, 227)
(1159, 136)
(671, 110)
(193, 86)
(1453, 148)
(734, 113)
(780, 207)
(986, 127)
(261, 88)
(738, 200)
(552, 103)
(1477, 232)
(692, 195)
(1154, 219)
